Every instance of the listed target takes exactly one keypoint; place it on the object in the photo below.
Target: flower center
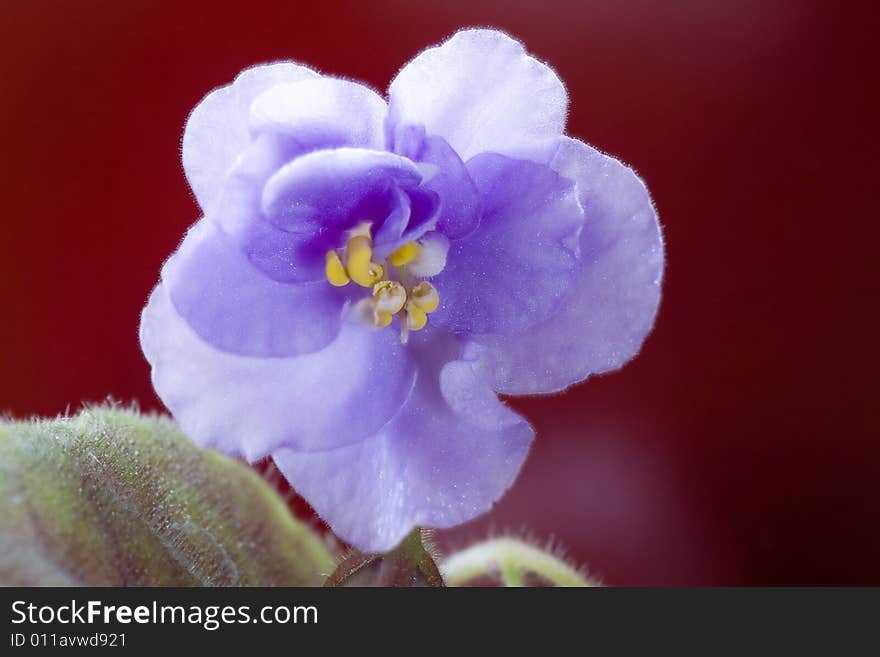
(412, 301)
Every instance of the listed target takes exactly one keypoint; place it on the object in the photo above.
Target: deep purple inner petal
(336, 188)
(446, 175)
(286, 210)
(391, 229)
(318, 198)
(423, 208)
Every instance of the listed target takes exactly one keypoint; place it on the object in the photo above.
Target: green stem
(510, 574)
(410, 557)
(512, 560)
(400, 567)
(349, 567)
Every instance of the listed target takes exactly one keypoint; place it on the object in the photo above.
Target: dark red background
(741, 447)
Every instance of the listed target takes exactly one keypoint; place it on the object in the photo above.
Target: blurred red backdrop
(741, 447)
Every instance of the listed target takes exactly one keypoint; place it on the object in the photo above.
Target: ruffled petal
(285, 217)
(283, 256)
(446, 175)
(217, 129)
(415, 215)
(252, 406)
(424, 209)
(235, 308)
(239, 198)
(512, 271)
(337, 188)
(613, 302)
(445, 458)
(321, 113)
(481, 92)
(391, 230)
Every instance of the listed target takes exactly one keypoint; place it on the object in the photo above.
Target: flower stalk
(412, 563)
(511, 561)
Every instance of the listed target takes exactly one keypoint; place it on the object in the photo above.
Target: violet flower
(367, 276)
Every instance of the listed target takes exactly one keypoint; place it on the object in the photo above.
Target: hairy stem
(349, 567)
(511, 560)
(408, 564)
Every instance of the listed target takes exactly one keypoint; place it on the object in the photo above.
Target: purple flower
(367, 276)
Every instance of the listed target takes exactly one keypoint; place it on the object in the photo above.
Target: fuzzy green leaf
(110, 497)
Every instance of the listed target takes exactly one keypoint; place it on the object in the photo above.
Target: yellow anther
(336, 273)
(380, 319)
(359, 262)
(425, 297)
(406, 253)
(415, 317)
(363, 228)
(390, 296)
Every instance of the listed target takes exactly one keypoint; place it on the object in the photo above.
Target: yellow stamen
(425, 297)
(381, 320)
(366, 311)
(390, 296)
(359, 262)
(406, 253)
(335, 271)
(415, 317)
(363, 228)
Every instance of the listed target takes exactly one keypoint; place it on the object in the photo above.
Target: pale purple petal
(283, 256)
(240, 196)
(321, 113)
(481, 92)
(217, 129)
(512, 271)
(613, 302)
(236, 308)
(252, 406)
(445, 458)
